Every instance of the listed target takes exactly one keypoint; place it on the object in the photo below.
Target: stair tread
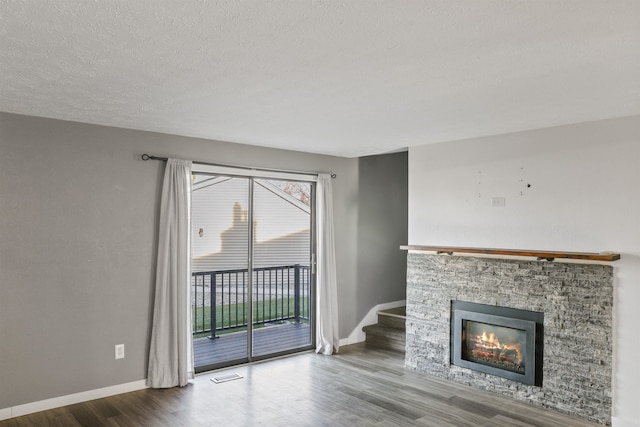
(391, 332)
(394, 345)
(399, 312)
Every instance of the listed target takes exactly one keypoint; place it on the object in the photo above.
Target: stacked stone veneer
(577, 302)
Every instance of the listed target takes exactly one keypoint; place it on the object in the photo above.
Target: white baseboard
(357, 335)
(619, 422)
(70, 399)
(5, 414)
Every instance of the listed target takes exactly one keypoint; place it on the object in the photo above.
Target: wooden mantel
(541, 255)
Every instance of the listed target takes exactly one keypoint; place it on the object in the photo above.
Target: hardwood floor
(361, 386)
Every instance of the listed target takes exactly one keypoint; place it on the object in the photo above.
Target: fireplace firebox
(500, 341)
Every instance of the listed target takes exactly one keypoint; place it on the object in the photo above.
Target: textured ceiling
(347, 78)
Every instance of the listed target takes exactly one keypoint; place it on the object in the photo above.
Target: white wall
(584, 195)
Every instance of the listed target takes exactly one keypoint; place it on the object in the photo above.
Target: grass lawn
(233, 317)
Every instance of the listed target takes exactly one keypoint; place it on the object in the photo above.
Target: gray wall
(382, 228)
(78, 213)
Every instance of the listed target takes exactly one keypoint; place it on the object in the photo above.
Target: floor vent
(225, 378)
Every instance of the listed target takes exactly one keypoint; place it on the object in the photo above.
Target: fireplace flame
(491, 345)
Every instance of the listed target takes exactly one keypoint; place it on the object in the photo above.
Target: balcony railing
(220, 298)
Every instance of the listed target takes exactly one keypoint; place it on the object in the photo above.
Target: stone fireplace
(551, 324)
(500, 341)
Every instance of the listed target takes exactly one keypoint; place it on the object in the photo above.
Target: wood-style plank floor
(267, 340)
(361, 386)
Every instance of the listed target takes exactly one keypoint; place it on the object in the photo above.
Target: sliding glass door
(281, 297)
(252, 285)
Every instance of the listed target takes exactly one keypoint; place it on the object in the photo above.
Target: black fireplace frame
(532, 322)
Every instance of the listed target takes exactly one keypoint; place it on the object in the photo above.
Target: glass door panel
(282, 294)
(220, 286)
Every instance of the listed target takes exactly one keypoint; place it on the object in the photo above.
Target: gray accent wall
(382, 228)
(78, 215)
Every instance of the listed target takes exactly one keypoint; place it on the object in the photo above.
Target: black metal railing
(220, 298)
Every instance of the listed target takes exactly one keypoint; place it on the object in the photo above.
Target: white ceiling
(347, 78)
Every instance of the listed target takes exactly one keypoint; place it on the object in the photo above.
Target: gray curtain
(327, 338)
(171, 354)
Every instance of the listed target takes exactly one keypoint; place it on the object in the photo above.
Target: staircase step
(381, 330)
(391, 320)
(389, 332)
(397, 312)
(385, 336)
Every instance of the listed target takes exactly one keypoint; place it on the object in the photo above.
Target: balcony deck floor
(268, 340)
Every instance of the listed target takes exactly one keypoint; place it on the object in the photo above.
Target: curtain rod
(146, 157)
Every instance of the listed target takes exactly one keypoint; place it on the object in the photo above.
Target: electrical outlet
(119, 351)
(498, 202)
